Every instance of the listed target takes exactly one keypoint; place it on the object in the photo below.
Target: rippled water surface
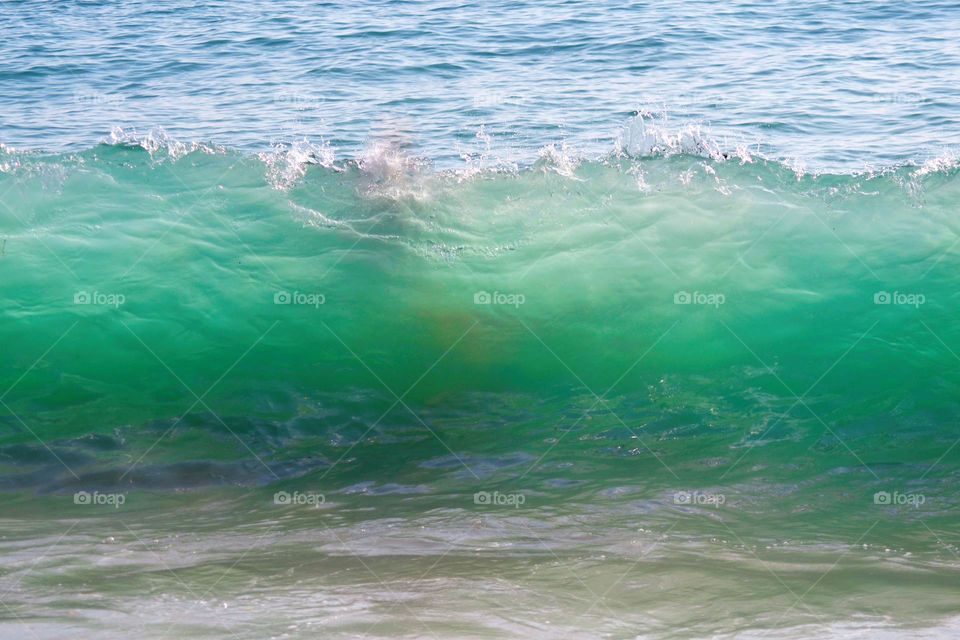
(837, 84)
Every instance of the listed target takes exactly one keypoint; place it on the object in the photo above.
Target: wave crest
(643, 135)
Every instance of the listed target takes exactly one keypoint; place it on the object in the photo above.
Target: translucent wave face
(406, 249)
(691, 365)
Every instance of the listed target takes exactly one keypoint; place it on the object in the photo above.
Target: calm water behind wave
(830, 84)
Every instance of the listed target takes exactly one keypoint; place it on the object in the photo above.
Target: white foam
(560, 160)
(940, 164)
(288, 163)
(158, 142)
(643, 135)
(391, 173)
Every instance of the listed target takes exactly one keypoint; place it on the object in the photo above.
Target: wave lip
(644, 136)
(390, 168)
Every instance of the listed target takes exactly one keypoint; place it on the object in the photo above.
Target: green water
(711, 466)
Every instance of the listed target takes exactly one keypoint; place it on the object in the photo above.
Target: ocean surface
(491, 320)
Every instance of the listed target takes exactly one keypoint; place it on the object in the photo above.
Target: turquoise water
(434, 321)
